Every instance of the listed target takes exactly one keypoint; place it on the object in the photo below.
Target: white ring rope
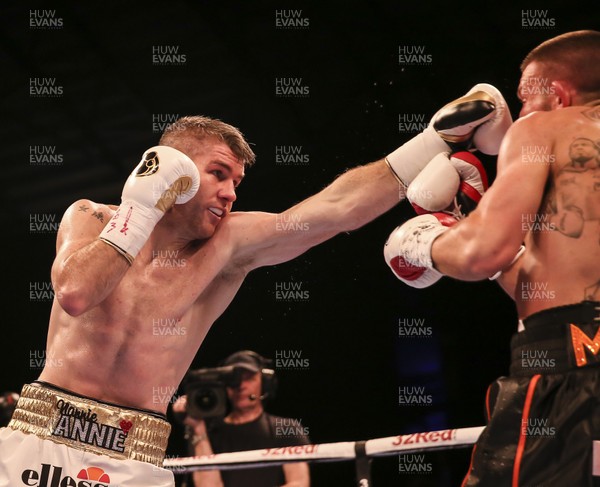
(328, 452)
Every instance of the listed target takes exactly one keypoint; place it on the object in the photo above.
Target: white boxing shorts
(59, 439)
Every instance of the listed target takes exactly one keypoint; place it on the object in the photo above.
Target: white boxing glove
(469, 122)
(408, 249)
(164, 177)
(435, 186)
(453, 184)
(456, 126)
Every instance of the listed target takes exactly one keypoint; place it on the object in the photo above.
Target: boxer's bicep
(264, 239)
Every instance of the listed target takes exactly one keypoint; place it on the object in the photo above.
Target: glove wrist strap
(129, 228)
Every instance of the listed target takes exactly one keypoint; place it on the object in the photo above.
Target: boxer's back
(562, 265)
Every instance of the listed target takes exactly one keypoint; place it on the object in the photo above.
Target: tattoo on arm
(98, 215)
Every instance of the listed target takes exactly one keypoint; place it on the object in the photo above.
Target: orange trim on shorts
(522, 436)
(487, 403)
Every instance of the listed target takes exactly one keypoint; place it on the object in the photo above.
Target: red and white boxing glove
(452, 184)
(408, 249)
(164, 177)
(479, 119)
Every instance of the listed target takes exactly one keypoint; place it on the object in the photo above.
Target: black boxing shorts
(543, 424)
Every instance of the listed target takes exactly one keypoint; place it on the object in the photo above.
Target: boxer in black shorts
(544, 419)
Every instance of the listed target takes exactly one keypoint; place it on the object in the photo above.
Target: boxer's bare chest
(173, 285)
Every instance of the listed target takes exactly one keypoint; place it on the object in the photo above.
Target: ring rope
(327, 452)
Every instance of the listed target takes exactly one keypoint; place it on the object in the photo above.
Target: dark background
(348, 324)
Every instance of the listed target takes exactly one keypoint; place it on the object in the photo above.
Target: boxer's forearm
(354, 198)
(85, 278)
(475, 249)
(460, 258)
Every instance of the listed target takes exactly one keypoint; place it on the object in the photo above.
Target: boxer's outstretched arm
(362, 194)
(352, 200)
(489, 238)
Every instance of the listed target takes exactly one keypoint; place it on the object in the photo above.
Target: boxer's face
(536, 90)
(220, 174)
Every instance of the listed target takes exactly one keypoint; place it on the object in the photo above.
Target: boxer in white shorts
(138, 286)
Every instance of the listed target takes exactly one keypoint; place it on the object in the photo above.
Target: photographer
(247, 426)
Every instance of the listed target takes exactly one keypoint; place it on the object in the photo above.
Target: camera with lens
(205, 390)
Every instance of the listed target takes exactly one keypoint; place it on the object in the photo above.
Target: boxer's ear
(562, 94)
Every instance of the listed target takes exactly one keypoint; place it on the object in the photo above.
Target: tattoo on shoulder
(592, 113)
(83, 208)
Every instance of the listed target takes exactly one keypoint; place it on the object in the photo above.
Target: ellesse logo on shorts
(51, 476)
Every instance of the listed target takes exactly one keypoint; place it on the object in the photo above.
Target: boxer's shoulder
(229, 236)
(557, 117)
(243, 235)
(535, 119)
(556, 127)
(537, 126)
